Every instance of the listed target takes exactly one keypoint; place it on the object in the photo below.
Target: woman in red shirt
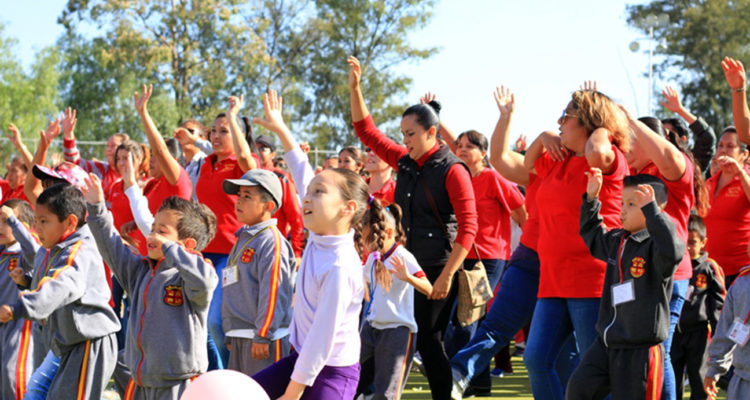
(728, 220)
(593, 134)
(351, 158)
(380, 183)
(117, 201)
(231, 138)
(425, 165)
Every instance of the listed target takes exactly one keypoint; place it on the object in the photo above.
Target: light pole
(650, 22)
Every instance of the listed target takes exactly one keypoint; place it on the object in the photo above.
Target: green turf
(514, 386)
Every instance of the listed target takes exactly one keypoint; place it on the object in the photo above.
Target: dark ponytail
(247, 129)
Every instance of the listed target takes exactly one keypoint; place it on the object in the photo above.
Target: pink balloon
(224, 384)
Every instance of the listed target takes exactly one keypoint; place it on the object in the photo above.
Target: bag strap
(435, 211)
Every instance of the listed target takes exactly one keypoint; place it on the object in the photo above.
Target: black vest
(424, 235)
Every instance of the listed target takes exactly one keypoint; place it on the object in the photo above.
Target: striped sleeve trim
(273, 293)
(68, 264)
(719, 275)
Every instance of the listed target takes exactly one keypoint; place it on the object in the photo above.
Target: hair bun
(435, 106)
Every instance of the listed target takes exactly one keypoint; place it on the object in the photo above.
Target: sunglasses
(565, 116)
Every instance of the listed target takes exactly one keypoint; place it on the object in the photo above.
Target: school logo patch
(637, 267)
(701, 281)
(247, 255)
(173, 295)
(12, 264)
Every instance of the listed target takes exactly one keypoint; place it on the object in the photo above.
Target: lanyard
(47, 263)
(373, 282)
(620, 251)
(233, 260)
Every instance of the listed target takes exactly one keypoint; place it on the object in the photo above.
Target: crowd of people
(208, 250)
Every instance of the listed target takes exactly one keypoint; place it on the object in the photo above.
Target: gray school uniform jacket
(648, 259)
(10, 259)
(722, 352)
(70, 295)
(258, 305)
(167, 330)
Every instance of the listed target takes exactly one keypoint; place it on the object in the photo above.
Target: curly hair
(597, 110)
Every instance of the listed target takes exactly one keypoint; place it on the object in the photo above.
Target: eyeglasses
(565, 116)
(367, 149)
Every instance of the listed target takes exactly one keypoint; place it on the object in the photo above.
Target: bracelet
(739, 89)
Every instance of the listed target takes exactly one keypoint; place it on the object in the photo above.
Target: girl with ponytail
(387, 335)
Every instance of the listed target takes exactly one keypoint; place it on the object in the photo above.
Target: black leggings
(432, 318)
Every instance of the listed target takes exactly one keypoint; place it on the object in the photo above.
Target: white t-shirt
(396, 307)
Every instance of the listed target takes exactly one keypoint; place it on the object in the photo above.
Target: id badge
(689, 294)
(739, 332)
(623, 293)
(229, 275)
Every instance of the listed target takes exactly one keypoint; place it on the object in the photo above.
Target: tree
(699, 34)
(27, 99)
(199, 52)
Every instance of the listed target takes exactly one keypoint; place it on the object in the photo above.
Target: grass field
(515, 387)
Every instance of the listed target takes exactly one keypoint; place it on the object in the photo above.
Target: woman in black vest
(424, 164)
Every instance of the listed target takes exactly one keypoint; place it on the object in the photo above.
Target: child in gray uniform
(256, 308)
(70, 296)
(170, 293)
(729, 344)
(15, 336)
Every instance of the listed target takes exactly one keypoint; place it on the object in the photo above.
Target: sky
(542, 49)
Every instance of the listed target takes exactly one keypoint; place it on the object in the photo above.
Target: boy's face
(165, 224)
(695, 244)
(631, 216)
(250, 207)
(6, 234)
(49, 228)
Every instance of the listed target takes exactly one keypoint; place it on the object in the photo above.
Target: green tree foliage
(27, 98)
(699, 35)
(197, 53)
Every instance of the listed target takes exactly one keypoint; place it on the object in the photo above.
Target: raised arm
(668, 159)
(241, 148)
(509, 163)
(673, 104)
(359, 109)
(33, 186)
(170, 167)
(15, 137)
(549, 142)
(734, 72)
(448, 135)
(599, 153)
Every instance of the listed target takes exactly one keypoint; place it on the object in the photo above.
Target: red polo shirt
(158, 190)
(567, 268)
(385, 193)
(496, 197)
(530, 233)
(728, 224)
(122, 213)
(210, 192)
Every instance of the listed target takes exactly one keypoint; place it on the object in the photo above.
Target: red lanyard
(620, 250)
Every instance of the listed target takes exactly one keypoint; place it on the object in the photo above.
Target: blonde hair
(597, 110)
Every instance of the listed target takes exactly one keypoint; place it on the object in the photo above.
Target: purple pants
(331, 383)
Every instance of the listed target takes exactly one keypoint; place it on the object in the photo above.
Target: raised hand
(672, 102)
(594, 185)
(427, 97)
(235, 105)
(644, 194)
(49, 134)
(272, 106)
(521, 143)
(734, 72)
(588, 85)
(305, 147)
(399, 268)
(92, 190)
(355, 74)
(142, 101)
(128, 173)
(15, 136)
(5, 213)
(184, 136)
(505, 100)
(69, 123)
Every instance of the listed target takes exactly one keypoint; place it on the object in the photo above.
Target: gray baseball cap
(257, 177)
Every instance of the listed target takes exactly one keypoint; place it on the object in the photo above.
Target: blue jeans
(218, 354)
(555, 319)
(41, 379)
(457, 336)
(679, 291)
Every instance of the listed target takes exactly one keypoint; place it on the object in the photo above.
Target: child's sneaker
(497, 373)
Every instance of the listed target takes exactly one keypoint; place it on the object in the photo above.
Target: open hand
(184, 136)
(92, 190)
(15, 136)
(427, 97)
(399, 268)
(505, 100)
(588, 85)
(553, 144)
(235, 105)
(69, 121)
(594, 185)
(49, 134)
(672, 102)
(521, 143)
(142, 101)
(355, 74)
(5, 213)
(734, 72)
(272, 106)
